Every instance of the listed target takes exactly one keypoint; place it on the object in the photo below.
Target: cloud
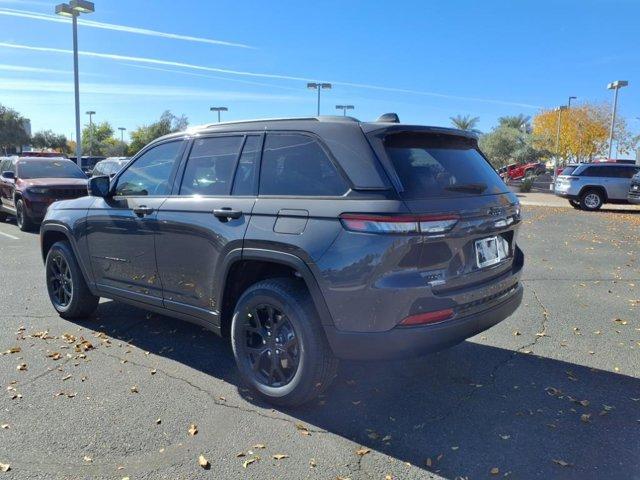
(19, 68)
(119, 28)
(189, 66)
(138, 90)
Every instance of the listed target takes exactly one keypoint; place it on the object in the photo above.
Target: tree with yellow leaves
(584, 132)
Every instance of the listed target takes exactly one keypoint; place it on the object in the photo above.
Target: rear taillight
(427, 318)
(425, 224)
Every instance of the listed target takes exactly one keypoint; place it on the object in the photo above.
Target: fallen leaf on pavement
(203, 462)
(5, 467)
(134, 389)
(249, 461)
(362, 451)
(193, 429)
(259, 446)
(280, 456)
(562, 463)
(494, 471)
(22, 367)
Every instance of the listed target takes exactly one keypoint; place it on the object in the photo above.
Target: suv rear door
(206, 218)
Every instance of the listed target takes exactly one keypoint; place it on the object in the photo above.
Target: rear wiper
(467, 187)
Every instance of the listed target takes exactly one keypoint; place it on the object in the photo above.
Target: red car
(518, 171)
(28, 185)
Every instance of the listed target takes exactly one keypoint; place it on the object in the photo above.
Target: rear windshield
(568, 170)
(49, 169)
(431, 165)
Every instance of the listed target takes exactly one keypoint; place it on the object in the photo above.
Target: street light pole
(555, 166)
(344, 109)
(73, 9)
(91, 113)
(318, 87)
(122, 129)
(571, 98)
(219, 109)
(615, 86)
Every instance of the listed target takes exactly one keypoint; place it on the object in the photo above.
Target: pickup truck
(518, 171)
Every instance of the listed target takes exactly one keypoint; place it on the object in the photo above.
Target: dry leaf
(249, 461)
(153, 372)
(4, 426)
(259, 446)
(203, 462)
(312, 463)
(87, 459)
(494, 471)
(134, 389)
(280, 456)
(429, 463)
(585, 417)
(562, 463)
(5, 467)
(22, 367)
(193, 429)
(362, 451)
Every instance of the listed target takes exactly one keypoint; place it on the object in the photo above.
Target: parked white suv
(590, 185)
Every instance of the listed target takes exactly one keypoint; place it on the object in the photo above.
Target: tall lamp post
(122, 130)
(344, 109)
(219, 109)
(91, 113)
(615, 86)
(558, 122)
(571, 98)
(73, 9)
(318, 87)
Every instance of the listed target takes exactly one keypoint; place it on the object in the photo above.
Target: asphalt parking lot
(552, 392)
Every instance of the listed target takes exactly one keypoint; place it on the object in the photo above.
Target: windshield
(431, 165)
(49, 169)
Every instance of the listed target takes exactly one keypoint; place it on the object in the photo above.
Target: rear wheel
(591, 200)
(22, 217)
(279, 345)
(3, 216)
(67, 288)
(575, 204)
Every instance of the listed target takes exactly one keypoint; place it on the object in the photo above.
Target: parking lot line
(9, 236)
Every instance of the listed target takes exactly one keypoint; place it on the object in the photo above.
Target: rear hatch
(468, 216)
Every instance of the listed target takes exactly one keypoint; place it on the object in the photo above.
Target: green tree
(519, 122)
(13, 134)
(97, 138)
(466, 123)
(504, 145)
(168, 123)
(49, 139)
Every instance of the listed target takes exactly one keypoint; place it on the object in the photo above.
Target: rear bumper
(402, 342)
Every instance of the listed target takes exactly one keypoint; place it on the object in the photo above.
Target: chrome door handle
(143, 211)
(226, 213)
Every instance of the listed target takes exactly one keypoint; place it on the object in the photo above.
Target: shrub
(526, 184)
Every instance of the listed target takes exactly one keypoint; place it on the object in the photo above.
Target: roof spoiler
(389, 118)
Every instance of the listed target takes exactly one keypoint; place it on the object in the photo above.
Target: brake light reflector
(371, 223)
(427, 318)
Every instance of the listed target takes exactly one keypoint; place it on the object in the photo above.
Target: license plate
(490, 251)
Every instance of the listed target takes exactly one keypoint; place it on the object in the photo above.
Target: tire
(305, 363)
(575, 204)
(591, 200)
(3, 217)
(22, 218)
(68, 291)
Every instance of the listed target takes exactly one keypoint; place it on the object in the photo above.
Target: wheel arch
(261, 264)
(599, 188)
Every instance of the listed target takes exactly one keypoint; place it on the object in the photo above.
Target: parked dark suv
(28, 185)
(303, 240)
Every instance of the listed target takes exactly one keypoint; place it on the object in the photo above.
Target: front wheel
(279, 344)
(591, 200)
(68, 291)
(22, 217)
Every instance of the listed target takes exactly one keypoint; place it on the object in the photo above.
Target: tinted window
(151, 173)
(294, 164)
(210, 166)
(568, 170)
(626, 172)
(48, 169)
(440, 165)
(245, 180)
(596, 172)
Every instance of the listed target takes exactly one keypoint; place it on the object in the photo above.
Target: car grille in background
(61, 193)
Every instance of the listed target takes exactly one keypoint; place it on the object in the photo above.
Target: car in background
(87, 163)
(588, 186)
(634, 190)
(518, 171)
(28, 185)
(42, 154)
(109, 166)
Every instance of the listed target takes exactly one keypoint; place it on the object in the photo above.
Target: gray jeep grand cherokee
(303, 240)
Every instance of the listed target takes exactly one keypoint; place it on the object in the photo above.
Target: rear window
(431, 165)
(568, 170)
(49, 169)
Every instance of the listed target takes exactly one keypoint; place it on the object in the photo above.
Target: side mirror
(99, 186)
(8, 175)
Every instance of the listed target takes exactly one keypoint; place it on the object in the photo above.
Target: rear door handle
(226, 213)
(143, 211)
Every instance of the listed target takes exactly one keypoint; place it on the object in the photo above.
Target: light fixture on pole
(219, 109)
(344, 109)
(617, 85)
(318, 87)
(122, 130)
(559, 109)
(91, 113)
(571, 98)
(72, 10)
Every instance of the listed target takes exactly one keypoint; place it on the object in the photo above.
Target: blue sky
(425, 60)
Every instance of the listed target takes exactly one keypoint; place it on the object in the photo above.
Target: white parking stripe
(10, 236)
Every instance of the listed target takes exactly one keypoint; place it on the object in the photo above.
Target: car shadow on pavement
(458, 413)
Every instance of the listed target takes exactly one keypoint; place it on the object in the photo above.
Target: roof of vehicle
(44, 159)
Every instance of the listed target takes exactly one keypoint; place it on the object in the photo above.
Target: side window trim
(325, 150)
(130, 163)
(179, 177)
(256, 179)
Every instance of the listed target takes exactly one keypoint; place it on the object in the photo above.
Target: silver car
(590, 185)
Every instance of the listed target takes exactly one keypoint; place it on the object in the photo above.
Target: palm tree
(467, 123)
(520, 122)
